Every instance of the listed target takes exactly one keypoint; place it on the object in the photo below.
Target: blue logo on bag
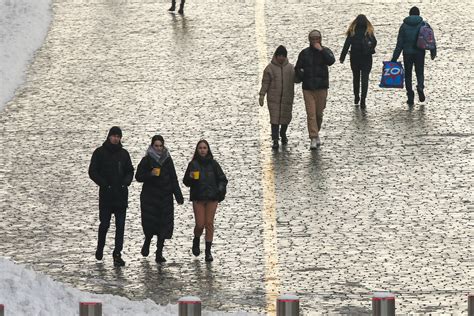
(392, 75)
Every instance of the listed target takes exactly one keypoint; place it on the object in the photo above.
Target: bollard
(470, 305)
(90, 309)
(288, 305)
(383, 304)
(189, 306)
(2, 310)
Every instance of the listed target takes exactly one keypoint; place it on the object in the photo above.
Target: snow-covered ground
(23, 28)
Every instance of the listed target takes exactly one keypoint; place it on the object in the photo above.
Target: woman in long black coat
(156, 171)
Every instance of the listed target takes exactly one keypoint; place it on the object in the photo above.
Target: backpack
(368, 47)
(425, 39)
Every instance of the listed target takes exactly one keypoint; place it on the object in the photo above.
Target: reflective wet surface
(385, 204)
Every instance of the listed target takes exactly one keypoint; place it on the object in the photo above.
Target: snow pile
(23, 28)
(25, 292)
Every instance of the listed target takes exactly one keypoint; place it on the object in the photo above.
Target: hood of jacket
(413, 20)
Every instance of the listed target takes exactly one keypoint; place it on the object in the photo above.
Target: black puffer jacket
(212, 182)
(112, 170)
(358, 44)
(156, 198)
(312, 67)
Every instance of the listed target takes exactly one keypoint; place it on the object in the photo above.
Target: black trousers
(277, 130)
(105, 215)
(417, 60)
(361, 67)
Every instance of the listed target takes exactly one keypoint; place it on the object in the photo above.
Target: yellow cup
(196, 175)
(156, 171)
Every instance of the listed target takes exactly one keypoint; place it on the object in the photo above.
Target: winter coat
(358, 45)
(407, 37)
(312, 68)
(156, 198)
(112, 170)
(212, 182)
(278, 84)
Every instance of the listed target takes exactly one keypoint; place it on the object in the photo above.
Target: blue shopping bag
(393, 75)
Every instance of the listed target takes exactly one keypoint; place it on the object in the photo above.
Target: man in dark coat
(412, 55)
(312, 69)
(112, 170)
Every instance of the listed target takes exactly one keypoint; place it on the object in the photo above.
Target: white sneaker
(313, 144)
(318, 141)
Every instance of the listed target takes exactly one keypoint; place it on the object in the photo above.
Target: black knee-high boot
(208, 251)
(159, 251)
(173, 5)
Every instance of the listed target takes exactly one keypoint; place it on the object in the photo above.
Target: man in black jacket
(112, 170)
(312, 69)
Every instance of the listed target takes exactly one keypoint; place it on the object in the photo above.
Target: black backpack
(368, 45)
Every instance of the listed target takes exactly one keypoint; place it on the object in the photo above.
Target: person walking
(362, 42)
(181, 6)
(278, 83)
(208, 185)
(412, 55)
(312, 69)
(112, 170)
(157, 173)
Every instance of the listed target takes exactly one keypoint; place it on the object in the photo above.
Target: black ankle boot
(173, 6)
(356, 99)
(421, 94)
(159, 251)
(118, 261)
(362, 104)
(410, 98)
(146, 247)
(99, 253)
(208, 251)
(181, 8)
(196, 250)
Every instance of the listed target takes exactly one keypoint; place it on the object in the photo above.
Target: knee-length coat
(278, 83)
(156, 198)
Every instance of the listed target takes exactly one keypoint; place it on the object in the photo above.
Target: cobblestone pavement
(385, 204)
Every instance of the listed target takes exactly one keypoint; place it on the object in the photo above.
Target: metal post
(288, 305)
(470, 305)
(189, 306)
(2, 310)
(90, 309)
(383, 304)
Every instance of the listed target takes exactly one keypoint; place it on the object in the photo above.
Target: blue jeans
(105, 216)
(417, 60)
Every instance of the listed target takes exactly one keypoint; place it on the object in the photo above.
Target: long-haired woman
(362, 42)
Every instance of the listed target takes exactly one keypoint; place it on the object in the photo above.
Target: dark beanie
(115, 130)
(414, 11)
(281, 51)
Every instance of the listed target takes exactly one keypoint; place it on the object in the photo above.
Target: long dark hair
(209, 152)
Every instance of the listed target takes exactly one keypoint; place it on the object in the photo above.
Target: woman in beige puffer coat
(278, 84)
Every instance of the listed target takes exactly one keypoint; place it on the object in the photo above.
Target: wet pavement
(385, 204)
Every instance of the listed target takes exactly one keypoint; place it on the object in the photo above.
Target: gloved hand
(393, 60)
(180, 200)
(433, 56)
(341, 60)
(260, 100)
